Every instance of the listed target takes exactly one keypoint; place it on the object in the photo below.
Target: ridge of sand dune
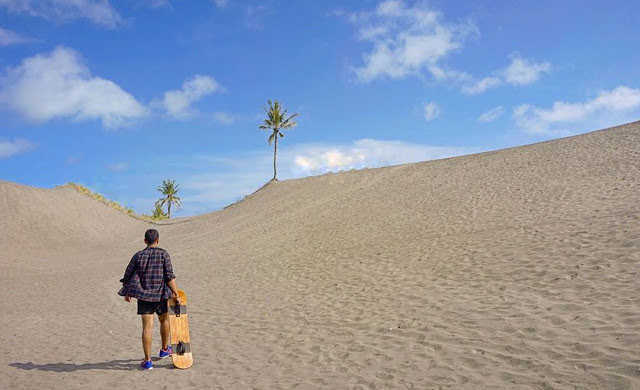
(59, 219)
(513, 269)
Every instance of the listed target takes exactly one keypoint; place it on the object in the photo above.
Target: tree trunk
(275, 152)
(169, 209)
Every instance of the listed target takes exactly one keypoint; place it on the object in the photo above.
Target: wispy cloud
(118, 167)
(408, 40)
(158, 3)
(363, 153)
(255, 15)
(481, 85)
(15, 147)
(414, 40)
(520, 71)
(168, 3)
(223, 118)
(8, 37)
(220, 3)
(97, 11)
(59, 85)
(177, 103)
(491, 115)
(610, 107)
(431, 111)
(206, 192)
(213, 181)
(523, 72)
(72, 160)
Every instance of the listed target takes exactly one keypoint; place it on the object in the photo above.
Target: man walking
(149, 278)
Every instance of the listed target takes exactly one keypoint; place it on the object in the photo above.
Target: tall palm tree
(169, 189)
(276, 121)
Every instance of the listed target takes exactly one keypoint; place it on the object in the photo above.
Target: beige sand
(515, 269)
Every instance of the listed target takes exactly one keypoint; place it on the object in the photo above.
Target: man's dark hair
(151, 236)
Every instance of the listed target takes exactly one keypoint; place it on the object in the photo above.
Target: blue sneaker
(165, 352)
(146, 365)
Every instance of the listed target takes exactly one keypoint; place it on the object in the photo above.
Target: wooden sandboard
(179, 324)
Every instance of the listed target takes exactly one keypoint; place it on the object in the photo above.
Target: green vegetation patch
(113, 204)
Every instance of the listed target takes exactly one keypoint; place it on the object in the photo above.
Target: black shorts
(146, 307)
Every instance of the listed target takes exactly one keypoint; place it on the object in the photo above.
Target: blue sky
(121, 95)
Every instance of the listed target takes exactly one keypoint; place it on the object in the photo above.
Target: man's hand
(174, 290)
(127, 298)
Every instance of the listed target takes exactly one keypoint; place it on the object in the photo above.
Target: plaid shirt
(147, 275)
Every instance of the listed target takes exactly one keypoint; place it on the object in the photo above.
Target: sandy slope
(515, 269)
(38, 221)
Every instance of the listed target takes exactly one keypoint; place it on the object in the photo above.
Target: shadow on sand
(123, 365)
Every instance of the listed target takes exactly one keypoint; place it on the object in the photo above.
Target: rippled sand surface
(514, 269)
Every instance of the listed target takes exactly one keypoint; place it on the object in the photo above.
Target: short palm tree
(158, 212)
(169, 189)
(276, 121)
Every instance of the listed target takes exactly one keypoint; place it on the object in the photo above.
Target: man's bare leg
(164, 329)
(147, 327)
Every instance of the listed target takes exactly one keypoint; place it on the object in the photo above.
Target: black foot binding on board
(182, 348)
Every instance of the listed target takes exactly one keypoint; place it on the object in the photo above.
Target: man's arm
(130, 270)
(173, 287)
(169, 277)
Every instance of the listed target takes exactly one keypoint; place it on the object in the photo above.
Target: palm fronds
(275, 121)
(169, 189)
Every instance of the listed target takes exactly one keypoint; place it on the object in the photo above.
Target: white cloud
(522, 71)
(431, 111)
(608, 108)
(330, 159)
(59, 85)
(363, 153)
(414, 40)
(8, 37)
(221, 3)
(491, 115)
(177, 103)
(118, 167)
(12, 148)
(482, 85)
(223, 118)
(407, 40)
(621, 98)
(98, 11)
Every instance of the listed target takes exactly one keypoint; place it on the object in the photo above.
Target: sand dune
(514, 269)
(42, 221)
